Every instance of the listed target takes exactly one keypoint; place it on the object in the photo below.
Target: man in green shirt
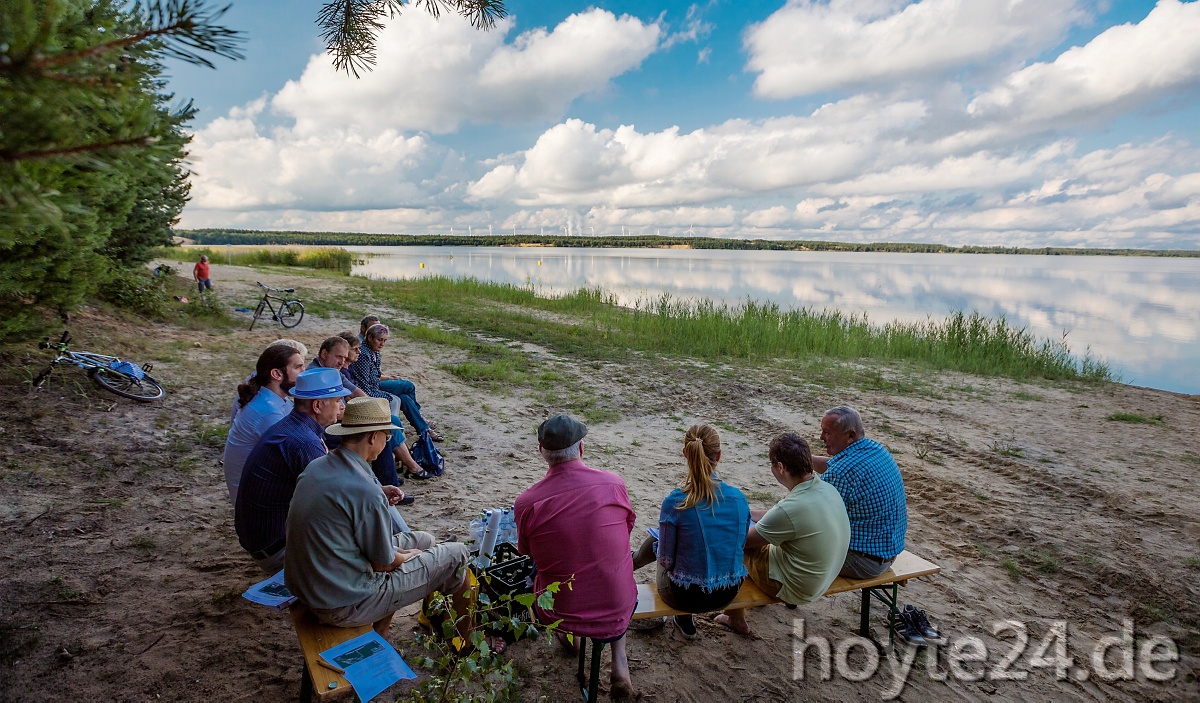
(795, 549)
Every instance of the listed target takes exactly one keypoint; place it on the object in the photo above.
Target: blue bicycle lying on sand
(124, 378)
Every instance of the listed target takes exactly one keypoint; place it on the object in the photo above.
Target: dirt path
(121, 578)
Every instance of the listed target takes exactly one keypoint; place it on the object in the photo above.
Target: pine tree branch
(29, 154)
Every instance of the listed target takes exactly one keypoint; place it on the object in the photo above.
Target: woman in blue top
(702, 531)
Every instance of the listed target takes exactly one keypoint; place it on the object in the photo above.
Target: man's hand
(402, 555)
(389, 378)
(394, 494)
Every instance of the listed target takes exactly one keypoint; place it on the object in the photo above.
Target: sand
(121, 574)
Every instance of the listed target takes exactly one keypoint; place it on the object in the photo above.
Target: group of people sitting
(279, 425)
(311, 463)
(844, 514)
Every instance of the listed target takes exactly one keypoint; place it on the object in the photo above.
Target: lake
(1140, 314)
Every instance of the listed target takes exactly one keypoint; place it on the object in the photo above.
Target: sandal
(435, 435)
(421, 475)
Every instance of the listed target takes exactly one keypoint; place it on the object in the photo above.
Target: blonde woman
(702, 531)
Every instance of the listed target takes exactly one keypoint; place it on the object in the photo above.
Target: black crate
(508, 573)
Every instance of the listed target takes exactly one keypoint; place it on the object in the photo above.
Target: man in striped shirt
(271, 470)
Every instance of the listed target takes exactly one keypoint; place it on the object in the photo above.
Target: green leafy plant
(473, 671)
(138, 291)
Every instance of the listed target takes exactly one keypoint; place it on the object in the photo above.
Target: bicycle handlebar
(275, 290)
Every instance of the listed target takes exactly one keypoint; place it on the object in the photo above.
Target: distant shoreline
(211, 237)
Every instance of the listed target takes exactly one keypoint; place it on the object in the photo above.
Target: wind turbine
(690, 231)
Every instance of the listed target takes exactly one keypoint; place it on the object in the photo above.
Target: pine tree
(90, 152)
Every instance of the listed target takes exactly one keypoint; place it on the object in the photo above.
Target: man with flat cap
(575, 523)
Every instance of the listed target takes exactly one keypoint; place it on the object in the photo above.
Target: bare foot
(742, 628)
(497, 644)
(619, 688)
(570, 646)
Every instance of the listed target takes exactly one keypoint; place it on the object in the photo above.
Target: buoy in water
(422, 265)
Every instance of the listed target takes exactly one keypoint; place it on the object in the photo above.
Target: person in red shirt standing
(200, 273)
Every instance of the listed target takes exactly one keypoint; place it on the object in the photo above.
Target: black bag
(427, 456)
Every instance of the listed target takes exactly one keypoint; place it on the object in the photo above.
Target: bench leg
(590, 687)
(864, 614)
(306, 685)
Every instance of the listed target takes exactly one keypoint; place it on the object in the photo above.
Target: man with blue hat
(281, 454)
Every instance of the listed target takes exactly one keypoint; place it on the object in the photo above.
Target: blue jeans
(407, 393)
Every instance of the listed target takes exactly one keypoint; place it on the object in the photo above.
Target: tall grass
(331, 258)
(705, 329)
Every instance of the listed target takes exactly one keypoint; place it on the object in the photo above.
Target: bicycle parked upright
(124, 378)
(290, 312)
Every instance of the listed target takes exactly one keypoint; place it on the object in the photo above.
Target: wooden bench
(314, 639)
(884, 587)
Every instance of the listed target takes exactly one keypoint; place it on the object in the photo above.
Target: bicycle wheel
(144, 390)
(291, 313)
(257, 311)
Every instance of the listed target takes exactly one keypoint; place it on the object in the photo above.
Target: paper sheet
(371, 664)
(271, 593)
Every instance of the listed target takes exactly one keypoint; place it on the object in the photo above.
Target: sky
(988, 122)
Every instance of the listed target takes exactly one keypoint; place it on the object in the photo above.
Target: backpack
(427, 456)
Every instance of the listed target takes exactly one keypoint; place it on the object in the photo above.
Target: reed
(589, 321)
(329, 258)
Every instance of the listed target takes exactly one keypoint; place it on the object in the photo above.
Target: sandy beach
(122, 577)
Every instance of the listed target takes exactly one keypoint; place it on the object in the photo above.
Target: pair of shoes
(686, 627)
(646, 624)
(918, 621)
(421, 475)
(906, 632)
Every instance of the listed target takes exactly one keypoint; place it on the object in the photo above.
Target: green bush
(209, 307)
(137, 290)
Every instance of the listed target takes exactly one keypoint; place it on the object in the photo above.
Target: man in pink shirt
(576, 522)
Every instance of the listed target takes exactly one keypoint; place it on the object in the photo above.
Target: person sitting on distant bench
(702, 530)
(865, 474)
(338, 352)
(365, 373)
(344, 560)
(262, 401)
(795, 549)
(404, 391)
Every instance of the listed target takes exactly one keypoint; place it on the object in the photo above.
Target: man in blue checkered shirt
(866, 475)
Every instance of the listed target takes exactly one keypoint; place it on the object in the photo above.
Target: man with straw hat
(343, 560)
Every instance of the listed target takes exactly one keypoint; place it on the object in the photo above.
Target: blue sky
(1012, 122)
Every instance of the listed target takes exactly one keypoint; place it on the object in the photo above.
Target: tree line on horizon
(221, 236)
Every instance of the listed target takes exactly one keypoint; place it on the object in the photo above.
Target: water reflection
(1142, 314)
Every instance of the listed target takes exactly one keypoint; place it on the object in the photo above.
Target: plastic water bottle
(508, 527)
(475, 530)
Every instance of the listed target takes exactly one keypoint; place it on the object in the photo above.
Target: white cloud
(434, 75)
(1123, 67)
(350, 144)
(809, 47)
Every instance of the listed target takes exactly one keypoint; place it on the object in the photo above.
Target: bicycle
(124, 378)
(290, 312)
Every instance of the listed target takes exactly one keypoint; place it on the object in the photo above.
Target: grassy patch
(1136, 418)
(329, 258)
(1007, 446)
(1013, 569)
(762, 496)
(754, 331)
(1192, 562)
(1022, 395)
